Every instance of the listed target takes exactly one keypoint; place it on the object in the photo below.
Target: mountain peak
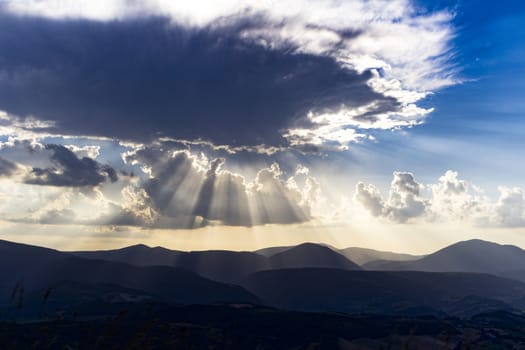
(310, 245)
(137, 246)
(473, 255)
(479, 245)
(476, 241)
(312, 255)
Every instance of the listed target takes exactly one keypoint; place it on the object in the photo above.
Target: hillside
(467, 256)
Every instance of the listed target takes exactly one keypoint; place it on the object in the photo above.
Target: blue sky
(488, 110)
(132, 121)
(478, 126)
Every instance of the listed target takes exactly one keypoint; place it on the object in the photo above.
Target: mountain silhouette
(308, 277)
(225, 266)
(357, 255)
(364, 255)
(219, 265)
(140, 255)
(311, 255)
(37, 268)
(467, 256)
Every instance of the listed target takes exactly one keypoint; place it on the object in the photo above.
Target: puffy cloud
(27, 128)
(49, 184)
(50, 206)
(27, 153)
(275, 201)
(53, 165)
(449, 200)
(183, 190)
(370, 197)
(310, 75)
(404, 200)
(88, 151)
(450, 185)
(71, 171)
(510, 207)
(455, 199)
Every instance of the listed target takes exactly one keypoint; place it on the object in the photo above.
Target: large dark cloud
(71, 171)
(138, 79)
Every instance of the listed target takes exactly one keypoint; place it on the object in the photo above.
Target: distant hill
(467, 256)
(357, 255)
(219, 265)
(140, 255)
(37, 268)
(311, 255)
(272, 250)
(364, 255)
(225, 266)
(402, 292)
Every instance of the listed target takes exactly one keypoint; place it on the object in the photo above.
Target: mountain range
(463, 279)
(226, 266)
(356, 254)
(467, 256)
(26, 269)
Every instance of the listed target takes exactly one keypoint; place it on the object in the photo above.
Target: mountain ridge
(32, 268)
(466, 256)
(226, 266)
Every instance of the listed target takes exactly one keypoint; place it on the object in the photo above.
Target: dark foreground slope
(27, 270)
(158, 326)
(385, 292)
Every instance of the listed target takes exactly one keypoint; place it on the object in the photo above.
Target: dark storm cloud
(71, 171)
(140, 79)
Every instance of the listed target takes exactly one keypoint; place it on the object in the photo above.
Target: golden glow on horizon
(398, 238)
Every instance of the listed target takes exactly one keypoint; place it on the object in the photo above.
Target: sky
(396, 125)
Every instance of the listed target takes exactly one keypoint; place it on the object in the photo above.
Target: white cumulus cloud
(451, 199)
